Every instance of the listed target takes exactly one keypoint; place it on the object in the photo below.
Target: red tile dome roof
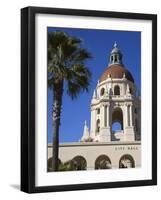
(116, 71)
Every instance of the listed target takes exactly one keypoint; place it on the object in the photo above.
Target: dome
(116, 71)
(115, 50)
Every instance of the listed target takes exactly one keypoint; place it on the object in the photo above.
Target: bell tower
(115, 100)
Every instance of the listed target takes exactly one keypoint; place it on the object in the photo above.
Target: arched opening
(116, 127)
(79, 163)
(126, 161)
(98, 126)
(117, 120)
(111, 58)
(115, 58)
(116, 90)
(98, 111)
(49, 164)
(103, 162)
(102, 91)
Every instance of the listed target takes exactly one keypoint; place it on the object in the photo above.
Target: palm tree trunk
(57, 104)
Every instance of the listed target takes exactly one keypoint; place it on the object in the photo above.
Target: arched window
(117, 119)
(116, 127)
(116, 90)
(98, 126)
(117, 123)
(130, 90)
(98, 111)
(115, 58)
(126, 161)
(102, 91)
(103, 162)
(79, 163)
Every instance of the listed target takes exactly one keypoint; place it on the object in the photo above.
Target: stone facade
(92, 151)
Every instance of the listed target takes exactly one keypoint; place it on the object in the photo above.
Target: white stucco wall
(91, 151)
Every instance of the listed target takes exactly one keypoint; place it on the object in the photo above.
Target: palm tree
(66, 67)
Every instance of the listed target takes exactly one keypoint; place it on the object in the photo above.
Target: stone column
(131, 116)
(91, 162)
(102, 118)
(105, 133)
(127, 115)
(117, 58)
(107, 116)
(93, 122)
(129, 129)
(123, 89)
(91, 127)
(124, 108)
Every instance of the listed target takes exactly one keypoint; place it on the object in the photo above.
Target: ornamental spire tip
(115, 44)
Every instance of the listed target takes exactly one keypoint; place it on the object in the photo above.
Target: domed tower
(115, 100)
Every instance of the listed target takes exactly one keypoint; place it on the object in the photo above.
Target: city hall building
(115, 99)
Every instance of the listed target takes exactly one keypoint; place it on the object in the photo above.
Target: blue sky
(99, 43)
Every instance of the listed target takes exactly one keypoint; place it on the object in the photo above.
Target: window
(98, 126)
(130, 90)
(102, 91)
(116, 90)
(117, 120)
(98, 111)
(115, 58)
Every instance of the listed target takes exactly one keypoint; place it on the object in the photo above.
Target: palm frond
(78, 79)
(66, 61)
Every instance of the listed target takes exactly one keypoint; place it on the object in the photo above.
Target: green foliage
(66, 166)
(66, 62)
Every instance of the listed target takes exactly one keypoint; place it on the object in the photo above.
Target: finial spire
(94, 94)
(86, 134)
(116, 55)
(115, 44)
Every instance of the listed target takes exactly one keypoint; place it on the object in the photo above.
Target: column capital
(128, 104)
(107, 104)
(102, 105)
